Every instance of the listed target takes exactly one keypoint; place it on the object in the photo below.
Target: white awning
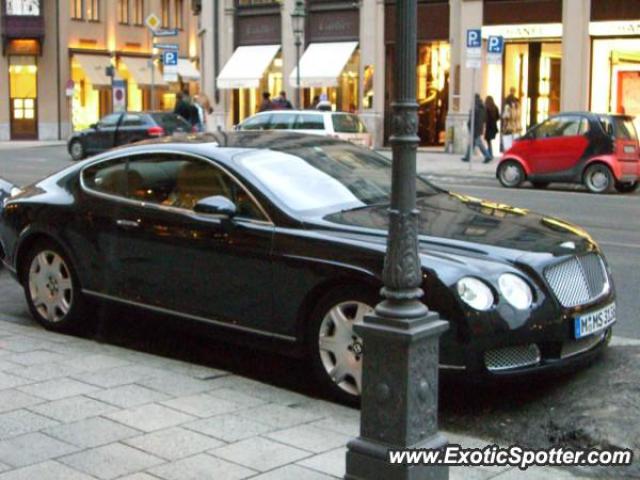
(246, 66)
(140, 70)
(322, 63)
(94, 67)
(187, 70)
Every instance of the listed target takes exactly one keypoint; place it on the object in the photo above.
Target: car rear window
(171, 122)
(309, 121)
(624, 129)
(347, 123)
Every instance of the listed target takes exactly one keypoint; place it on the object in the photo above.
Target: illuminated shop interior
(247, 101)
(344, 97)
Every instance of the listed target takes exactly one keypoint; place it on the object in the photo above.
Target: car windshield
(171, 122)
(347, 123)
(324, 179)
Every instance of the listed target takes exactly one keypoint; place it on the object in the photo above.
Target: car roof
(591, 115)
(314, 112)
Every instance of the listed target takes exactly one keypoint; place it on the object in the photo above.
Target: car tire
(598, 178)
(76, 150)
(540, 185)
(334, 346)
(627, 187)
(52, 289)
(511, 174)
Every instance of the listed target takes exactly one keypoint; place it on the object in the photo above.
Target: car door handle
(126, 224)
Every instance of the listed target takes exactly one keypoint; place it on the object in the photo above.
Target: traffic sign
(495, 48)
(474, 48)
(119, 91)
(474, 38)
(170, 58)
(167, 32)
(152, 22)
(166, 46)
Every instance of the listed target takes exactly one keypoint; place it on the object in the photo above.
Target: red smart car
(600, 151)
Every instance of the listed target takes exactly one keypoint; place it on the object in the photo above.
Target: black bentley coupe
(281, 237)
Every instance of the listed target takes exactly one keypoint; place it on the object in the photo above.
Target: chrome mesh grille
(578, 280)
(512, 357)
(574, 347)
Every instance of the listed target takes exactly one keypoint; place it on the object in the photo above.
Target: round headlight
(516, 291)
(475, 293)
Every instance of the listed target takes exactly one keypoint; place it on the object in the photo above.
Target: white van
(345, 126)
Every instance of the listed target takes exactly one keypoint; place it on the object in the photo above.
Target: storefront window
(248, 100)
(85, 103)
(615, 83)
(23, 92)
(345, 96)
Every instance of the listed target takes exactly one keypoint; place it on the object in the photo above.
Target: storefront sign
(532, 30)
(474, 48)
(258, 30)
(614, 29)
(337, 26)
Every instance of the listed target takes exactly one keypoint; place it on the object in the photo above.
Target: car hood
(450, 221)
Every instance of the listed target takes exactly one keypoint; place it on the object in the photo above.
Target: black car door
(104, 135)
(200, 265)
(132, 128)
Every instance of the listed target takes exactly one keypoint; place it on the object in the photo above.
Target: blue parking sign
(170, 58)
(474, 38)
(495, 44)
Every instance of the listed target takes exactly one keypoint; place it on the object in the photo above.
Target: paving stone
(175, 384)
(261, 390)
(127, 396)
(174, 443)
(310, 438)
(34, 358)
(229, 428)
(4, 468)
(280, 416)
(45, 471)
(43, 372)
(114, 377)
(57, 389)
(202, 467)
(5, 365)
(293, 472)
(535, 473)
(202, 405)
(239, 398)
(466, 473)
(111, 461)
(21, 343)
(259, 453)
(73, 409)
(11, 381)
(139, 476)
(14, 399)
(97, 361)
(199, 372)
(32, 448)
(332, 462)
(19, 422)
(150, 417)
(91, 432)
(349, 426)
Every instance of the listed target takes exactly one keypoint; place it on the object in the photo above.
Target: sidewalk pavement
(21, 144)
(437, 163)
(75, 409)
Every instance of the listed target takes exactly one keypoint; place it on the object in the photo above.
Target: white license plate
(593, 322)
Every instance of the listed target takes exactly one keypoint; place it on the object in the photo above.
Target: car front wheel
(76, 149)
(511, 174)
(52, 289)
(336, 349)
(627, 187)
(598, 178)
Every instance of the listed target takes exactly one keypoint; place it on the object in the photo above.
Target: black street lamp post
(399, 406)
(297, 20)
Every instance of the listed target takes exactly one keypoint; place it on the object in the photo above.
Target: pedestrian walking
(182, 107)
(324, 104)
(316, 101)
(511, 124)
(479, 124)
(282, 103)
(266, 104)
(493, 117)
(203, 101)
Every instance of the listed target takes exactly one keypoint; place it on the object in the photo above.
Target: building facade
(60, 58)
(559, 55)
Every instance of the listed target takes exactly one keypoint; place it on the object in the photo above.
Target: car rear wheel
(76, 149)
(336, 349)
(627, 187)
(540, 185)
(598, 178)
(52, 289)
(511, 174)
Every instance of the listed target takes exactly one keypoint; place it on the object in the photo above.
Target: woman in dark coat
(493, 116)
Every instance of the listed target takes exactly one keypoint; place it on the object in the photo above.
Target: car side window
(282, 121)
(110, 120)
(179, 181)
(107, 177)
(132, 120)
(308, 121)
(256, 123)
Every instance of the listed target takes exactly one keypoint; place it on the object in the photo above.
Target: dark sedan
(122, 128)
(281, 237)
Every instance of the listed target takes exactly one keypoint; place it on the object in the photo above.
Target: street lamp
(297, 21)
(399, 404)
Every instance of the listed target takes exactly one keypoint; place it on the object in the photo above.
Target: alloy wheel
(77, 151)
(341, 349)
(50, 286)
(511, 174)
(598, 179)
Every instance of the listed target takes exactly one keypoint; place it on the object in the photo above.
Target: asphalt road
(613, 220)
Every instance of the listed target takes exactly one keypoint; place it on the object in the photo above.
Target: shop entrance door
(23, 101)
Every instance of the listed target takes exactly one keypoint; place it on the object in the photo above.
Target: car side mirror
(216, 205)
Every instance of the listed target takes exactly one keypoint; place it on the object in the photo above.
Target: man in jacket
(479, 123)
